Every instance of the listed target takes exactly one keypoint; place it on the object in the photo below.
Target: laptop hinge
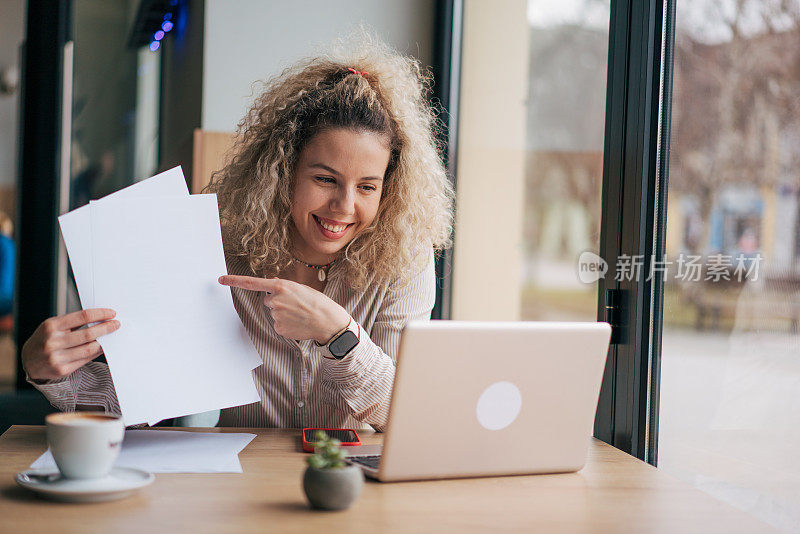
(612, 314)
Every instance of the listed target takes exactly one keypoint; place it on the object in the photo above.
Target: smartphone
(347, 436)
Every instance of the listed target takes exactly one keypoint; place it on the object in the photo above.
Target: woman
(331, 209)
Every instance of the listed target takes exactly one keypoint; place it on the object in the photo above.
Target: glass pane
(564, 159)
(104, 100)
(530, 155)
(729, 412)
(114, 106)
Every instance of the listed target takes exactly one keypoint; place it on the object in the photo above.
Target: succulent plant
(327, 453)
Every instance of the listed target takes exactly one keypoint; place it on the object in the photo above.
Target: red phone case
(308, 446)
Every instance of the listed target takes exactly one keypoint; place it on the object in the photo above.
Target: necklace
(320, 268)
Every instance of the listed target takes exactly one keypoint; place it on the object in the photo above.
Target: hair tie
(362, 74)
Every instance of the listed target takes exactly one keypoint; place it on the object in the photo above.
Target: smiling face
(337, 189)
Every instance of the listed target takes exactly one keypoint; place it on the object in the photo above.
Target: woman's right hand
(60, 345)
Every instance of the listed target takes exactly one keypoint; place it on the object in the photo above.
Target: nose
(344, 202)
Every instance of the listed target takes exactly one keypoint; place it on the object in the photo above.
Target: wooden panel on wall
(210, 149)
(8, 201)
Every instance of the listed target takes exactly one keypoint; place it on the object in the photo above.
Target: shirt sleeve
(89, 388)
(365, 377)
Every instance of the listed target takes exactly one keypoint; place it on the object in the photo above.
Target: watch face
(343, 344)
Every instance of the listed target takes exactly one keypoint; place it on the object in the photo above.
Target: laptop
(477, 399)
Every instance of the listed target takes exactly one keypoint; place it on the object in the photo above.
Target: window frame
(635, 179)
(46, 34)
(447, 40)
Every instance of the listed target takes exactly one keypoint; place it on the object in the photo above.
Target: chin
(324, 248)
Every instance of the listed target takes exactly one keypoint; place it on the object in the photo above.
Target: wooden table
(613, 493)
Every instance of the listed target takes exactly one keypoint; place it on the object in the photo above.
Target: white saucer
(121, 482)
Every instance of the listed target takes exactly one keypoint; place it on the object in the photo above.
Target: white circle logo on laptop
(498, 405)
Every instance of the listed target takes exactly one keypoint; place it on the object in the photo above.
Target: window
(530, 158)
(730, 366)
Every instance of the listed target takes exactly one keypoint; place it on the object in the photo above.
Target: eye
(369, 187)
(325, 179)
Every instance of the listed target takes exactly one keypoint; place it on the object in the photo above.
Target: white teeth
(332, 228)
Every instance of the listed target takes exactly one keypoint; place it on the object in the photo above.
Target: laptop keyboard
(368, 461)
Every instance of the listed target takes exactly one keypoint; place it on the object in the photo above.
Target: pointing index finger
(248, 282)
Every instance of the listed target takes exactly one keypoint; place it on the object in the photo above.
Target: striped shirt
(297, 385)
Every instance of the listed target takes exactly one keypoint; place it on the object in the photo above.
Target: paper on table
(173, 451)
(76, 226)
(181, 348)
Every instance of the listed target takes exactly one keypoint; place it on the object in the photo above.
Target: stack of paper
(169, 451)
(153, 253)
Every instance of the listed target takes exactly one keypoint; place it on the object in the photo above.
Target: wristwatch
(342, 342)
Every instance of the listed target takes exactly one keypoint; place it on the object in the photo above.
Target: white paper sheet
(76, 226)
(181, 348)
(172, 451)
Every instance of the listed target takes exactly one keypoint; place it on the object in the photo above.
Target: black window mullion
(628, 411)
(47, 31)
(613, 158)
(631, 181)
(659, 227)
(447, 76)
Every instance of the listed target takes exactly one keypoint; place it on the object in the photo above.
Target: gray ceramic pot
(332, 489)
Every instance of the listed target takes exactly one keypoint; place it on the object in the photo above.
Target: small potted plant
(331, 483)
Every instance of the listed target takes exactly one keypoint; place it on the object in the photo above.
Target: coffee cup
(84, 444)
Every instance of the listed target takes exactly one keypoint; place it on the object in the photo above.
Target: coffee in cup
(84, 444)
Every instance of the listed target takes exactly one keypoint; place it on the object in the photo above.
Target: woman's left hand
(298, 311)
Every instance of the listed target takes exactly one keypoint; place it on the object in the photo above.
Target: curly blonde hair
(391, 98)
